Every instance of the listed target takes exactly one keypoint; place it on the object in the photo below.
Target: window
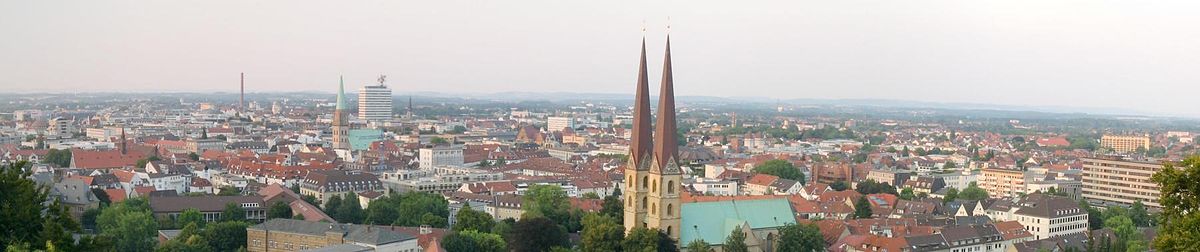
(655, 187)
(670, 186)
(645, 182)
(670, 212)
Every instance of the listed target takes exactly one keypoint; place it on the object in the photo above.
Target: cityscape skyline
(990, 54)
(815, 126)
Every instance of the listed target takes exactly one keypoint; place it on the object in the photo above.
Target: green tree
(862, 208)
(698, 245)
(20, 202)
(193, 156)
(58, 158)
(871, 187)
(782, 169)
(950, 165)
(973, 192)
(193, 243)
(350, 211)
(189, 239)
(612, 207)
(1124, 229)
(839, 186)
(333, 205)
(409, 209)
(1181, 206)
(233, 212)
(907, 194)
(88, 220)
(472, 240)
(132, 230)
(1095, 218)
(736, 242)
(229, 191)
(647, 240)
(226, 236)
(600, 233)
(803, 237)
(549, 201)
(469, 219)
(951, 195)
(190, 216)
(1138, 214)
(536, 234)
(279, 209)
(591, 195)
(438, 140)
(57, 227)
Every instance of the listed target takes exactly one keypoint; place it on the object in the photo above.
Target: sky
(1136, 55)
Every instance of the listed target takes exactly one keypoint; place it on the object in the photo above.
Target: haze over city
(1030, 53)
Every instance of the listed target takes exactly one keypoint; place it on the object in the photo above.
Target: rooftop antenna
(382, 78)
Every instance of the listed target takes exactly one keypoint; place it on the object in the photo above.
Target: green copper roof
(341, 97)
(713, 221)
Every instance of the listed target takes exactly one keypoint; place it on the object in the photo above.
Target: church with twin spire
(652, 176)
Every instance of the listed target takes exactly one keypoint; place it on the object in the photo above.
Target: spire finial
(643, 27)
(668, 25)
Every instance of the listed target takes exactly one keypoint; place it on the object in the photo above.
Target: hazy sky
(1141, 55)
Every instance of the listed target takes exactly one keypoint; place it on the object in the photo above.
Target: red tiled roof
(115, 195)
(762, 179)
(93, 159)
(587, 205)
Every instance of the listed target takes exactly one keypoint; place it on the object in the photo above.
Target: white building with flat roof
(375, 103)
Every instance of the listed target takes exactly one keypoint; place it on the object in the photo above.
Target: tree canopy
(801, 237)
(973, 192)
(473, 240)
(536, 234)
(862, 208)
(409, 209)
(871, 187)
(600, 233)
(782, 169)
(469, 219)
(1181, 206)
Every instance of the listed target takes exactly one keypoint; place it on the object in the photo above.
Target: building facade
(1125, 143)
(1117, 180)
(1002, 182)
(375, 103)
(555, 123)
(440, 155)
(297, 235)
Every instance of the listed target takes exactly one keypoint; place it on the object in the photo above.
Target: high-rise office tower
(375, 102)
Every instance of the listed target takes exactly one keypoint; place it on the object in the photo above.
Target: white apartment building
(442, 155)
(1122, 181)
(1044, 216)
(375, 103)
(715, 187)
(554, 123)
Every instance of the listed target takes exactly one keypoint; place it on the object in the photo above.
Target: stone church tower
(652, 176)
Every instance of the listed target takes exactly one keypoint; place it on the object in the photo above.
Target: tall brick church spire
(665, 142)
(640, 149)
